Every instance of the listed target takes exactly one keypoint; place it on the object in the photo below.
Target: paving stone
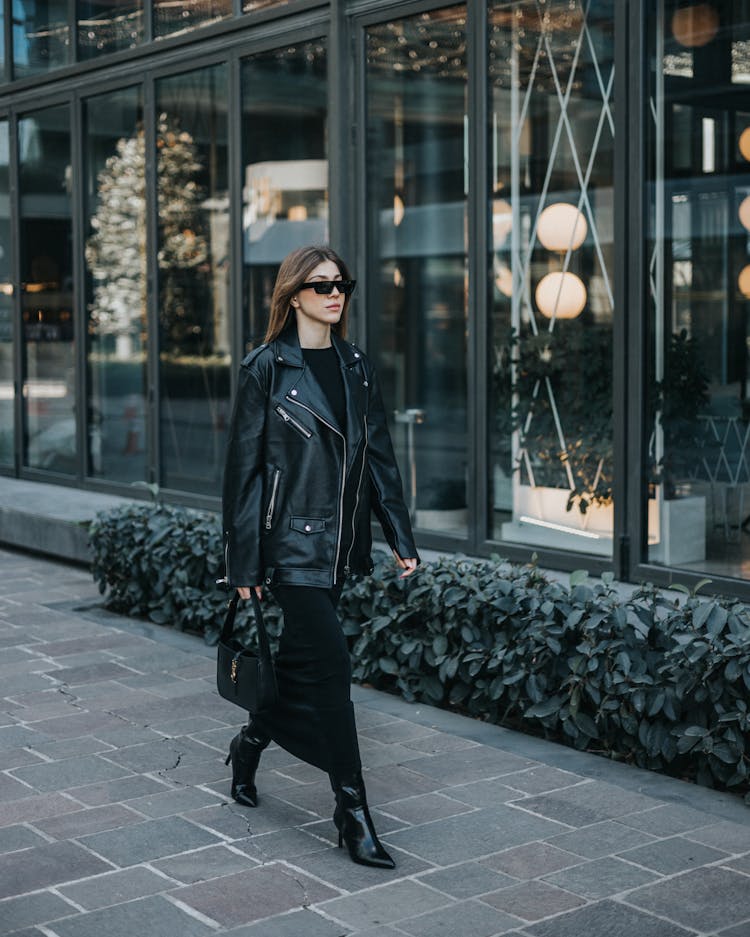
(438, 742)
(76, 645)
(425, 807)
(35, 807)
(532, 860)
(384, 904)
(533, 900)
(84, 723)
(248, 896)
(89, 673)
(21, 737)
(123, 736)
(588, 803)
(741, 864)
(601, 878)
(669, 856)
(282, 844)
(295, 924)
(18, 837)
(67, 748)
(541, 779)
(202, 864)
(123, 789)
(397, 731)
(116, 887)
(169, 803)
(705, 899)
(601, 839)
(473, 764)
(315, 799)
(606, 918)
(23, 912)
(11, 789)
(741, 930)
(472, 835)
(466, 917)
(490, 793)
(58, 705)
(124, 920)
(82, 822)
(467, 880)
(729, 837)
(153, 839)
(72, 772)
(187, 726)
(42, 866)
(235, 822)
(163, 754)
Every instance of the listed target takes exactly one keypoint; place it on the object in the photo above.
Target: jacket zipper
(343, 479)
(356, 500)
(288, 418)
(272, 502)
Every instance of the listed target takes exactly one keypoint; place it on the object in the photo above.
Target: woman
(308, 454)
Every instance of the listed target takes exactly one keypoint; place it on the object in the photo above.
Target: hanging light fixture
(695, 25)
(560, 295)
(743, 281)
(398, 210)
(744, 212)
(561, 227)
(504, 280)
(744, 143)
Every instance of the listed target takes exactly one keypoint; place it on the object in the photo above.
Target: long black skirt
(314, 717)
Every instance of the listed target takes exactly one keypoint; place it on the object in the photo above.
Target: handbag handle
(228, 628)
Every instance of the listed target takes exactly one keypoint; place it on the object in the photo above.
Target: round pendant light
(695, 25)
(561, 227)
(744, 143)
(743, 281)
(744, 212)
(560, 295)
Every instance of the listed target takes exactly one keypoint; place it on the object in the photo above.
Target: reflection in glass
(116, 286)
(285, 182)
(179, 16)
(193, 261)
(108, 25)
(6, 308)
(252, 6)
(47, 291)
(698, 388)
(418, 289)
(550, 210)
(41, 36)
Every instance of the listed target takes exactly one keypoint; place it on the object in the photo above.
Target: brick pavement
(115, 817)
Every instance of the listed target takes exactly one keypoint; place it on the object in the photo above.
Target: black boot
(244, 753)
(354, 823)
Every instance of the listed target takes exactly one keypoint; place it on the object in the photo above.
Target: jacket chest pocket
(293, 422)
(308, 525)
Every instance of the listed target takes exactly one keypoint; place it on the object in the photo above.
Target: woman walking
(308, 456)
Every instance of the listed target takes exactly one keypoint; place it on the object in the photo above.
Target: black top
(324, 364)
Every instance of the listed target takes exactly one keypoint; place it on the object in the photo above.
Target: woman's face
(322, 308)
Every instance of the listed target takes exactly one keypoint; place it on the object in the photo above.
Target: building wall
(546, 206)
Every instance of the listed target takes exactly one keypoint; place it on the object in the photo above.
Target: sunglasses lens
(323, 287)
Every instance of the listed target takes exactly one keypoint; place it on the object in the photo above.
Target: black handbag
(243, 676)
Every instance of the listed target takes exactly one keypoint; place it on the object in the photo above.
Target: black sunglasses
(325, 287)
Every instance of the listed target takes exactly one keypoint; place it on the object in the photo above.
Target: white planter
(682, 532)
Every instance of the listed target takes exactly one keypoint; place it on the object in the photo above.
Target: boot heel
(229, 758)
(341, 839)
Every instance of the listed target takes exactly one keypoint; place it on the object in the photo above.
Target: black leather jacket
(290, 468)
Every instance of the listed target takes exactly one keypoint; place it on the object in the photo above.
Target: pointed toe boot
(355, 826)
(244, 753)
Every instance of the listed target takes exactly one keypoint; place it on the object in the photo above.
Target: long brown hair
(294, 270)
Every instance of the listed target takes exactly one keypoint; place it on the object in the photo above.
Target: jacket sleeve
(242, 492)
(387, 489)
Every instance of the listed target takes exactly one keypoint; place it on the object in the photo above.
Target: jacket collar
(286, 348)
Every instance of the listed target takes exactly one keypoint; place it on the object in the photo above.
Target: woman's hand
(408, 565)
(244, 591)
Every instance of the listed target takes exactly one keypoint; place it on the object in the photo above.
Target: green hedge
(646, 680)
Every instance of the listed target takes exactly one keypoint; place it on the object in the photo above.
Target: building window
(115, 252)
(551, 71)
(108, 26)
(49, 387)
(698, 379)
(7, 395)
(172, 17)
(417, 183)
(285, 180)
(41, 36)
(193, 275)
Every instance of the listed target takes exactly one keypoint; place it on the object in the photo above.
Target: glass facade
(551, 73)
(417, 253)
(285, 174)
(546, 205)
(697, 465)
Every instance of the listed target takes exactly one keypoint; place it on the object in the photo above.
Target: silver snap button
(294, 393)
(308, 528)
(356, 354)
(279, 358)
(365, 384)
(268, 582)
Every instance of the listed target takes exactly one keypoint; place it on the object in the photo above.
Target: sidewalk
(115, 817)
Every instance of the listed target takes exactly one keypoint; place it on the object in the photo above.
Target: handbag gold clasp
(233, 671)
